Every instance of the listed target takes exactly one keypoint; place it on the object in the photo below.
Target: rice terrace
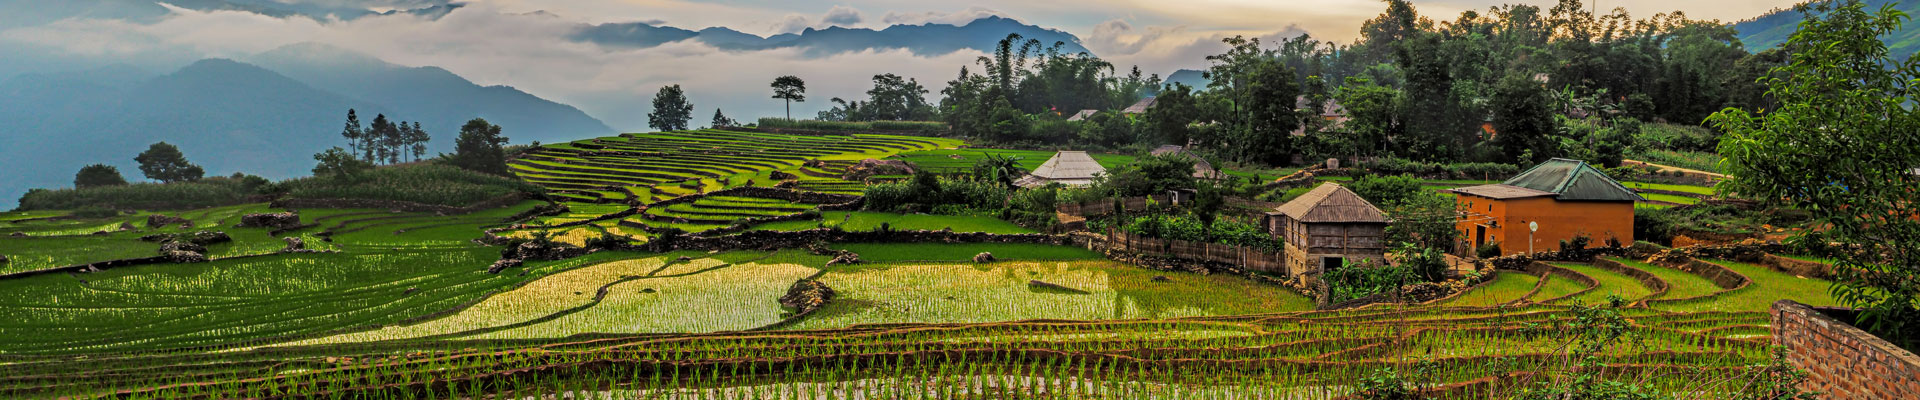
(1541, 202)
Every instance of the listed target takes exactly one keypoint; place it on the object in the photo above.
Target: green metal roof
(1573, 180)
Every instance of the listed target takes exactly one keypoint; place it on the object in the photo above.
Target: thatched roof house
(1201, 168)
(1141, 106)
(1082, 115)
(1071, 168)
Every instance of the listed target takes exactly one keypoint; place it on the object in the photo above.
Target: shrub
(1488, 250)
(424, 183)
(210, 192)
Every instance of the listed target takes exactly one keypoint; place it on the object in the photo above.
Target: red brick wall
(1843, 362)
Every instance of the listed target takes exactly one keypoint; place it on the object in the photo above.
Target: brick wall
(1843, 362)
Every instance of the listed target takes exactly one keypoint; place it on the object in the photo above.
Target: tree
(98, 175)
(165, 163)
(720, 119)
(1172, 112)
(1840, 147)
(417, 141)
(376, 137)
(791, 89)
(339, 163)
(480, 148)
(353, 132)
(1270, 120)
(671, 110)
(1523, 120)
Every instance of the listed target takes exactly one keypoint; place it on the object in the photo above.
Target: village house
(1328, 228)
(1071, 168)
(1140, 107)
(1082, 115)
(1563, 198)
(1201, 168)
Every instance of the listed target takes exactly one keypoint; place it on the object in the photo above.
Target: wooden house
(1201, 168)
(1140, 107)
(1328, 228)
(1564, 198)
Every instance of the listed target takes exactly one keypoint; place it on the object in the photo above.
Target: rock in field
(270, 220)
(157, 221)
(294, 245)
(983, 257)
(502, 265)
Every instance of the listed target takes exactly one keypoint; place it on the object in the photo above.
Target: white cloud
(841, 16)
(961, 17)
(528, 52)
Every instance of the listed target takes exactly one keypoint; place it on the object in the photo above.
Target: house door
(1479, 236)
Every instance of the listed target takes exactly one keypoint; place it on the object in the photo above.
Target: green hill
(1770, 30)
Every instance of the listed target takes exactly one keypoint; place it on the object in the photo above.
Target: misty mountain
(1193, 78)
(1770, 30)
(926, 39)
(439, 99)
(230, 116)
(146, 11)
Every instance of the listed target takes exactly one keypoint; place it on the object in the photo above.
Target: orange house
(1566, 198)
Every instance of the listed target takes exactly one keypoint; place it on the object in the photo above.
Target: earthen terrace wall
(1843, 362)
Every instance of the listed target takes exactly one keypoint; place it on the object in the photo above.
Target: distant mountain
(926, 39)
(41, 12)
(440, 100)
(1770, 30)
(230, 116)
(1195, 79)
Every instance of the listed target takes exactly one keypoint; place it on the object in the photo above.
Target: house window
(1332, 263)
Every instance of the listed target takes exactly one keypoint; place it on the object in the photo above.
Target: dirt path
(1665, 168)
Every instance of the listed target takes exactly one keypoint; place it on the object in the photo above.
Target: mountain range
(266, 116)
(925, 39)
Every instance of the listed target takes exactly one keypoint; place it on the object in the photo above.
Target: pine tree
(353, 132)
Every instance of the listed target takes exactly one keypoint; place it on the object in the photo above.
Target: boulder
(185, 257)
(177, 246)
(158, 221)
(983, 257)
(503, 264)
(804, 297)
(782, 175)
(294, 245)
(270, 220)
(127, 226)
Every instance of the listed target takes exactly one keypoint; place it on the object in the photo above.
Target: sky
(521, 43)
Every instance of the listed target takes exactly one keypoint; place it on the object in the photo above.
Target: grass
(944, 161)
(943, 293)
(1506, 286)
(1611, 283)
(1556, 287)
(868, 221)
(1699, 161)
(939, 252)
(419, 183)
(1768, 287)
(1680, 284)
(1699, 190)
(1682, 200)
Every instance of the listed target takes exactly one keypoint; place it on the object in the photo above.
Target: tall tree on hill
(353, 132)
(98, 175)
(165, 163)
(481, 148)
(671, 110)
(417, 141)
(1268, 134)
(1172, 112)
(791, 89)
(373, 141)
(720, 119)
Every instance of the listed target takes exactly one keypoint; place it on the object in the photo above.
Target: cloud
(528, 52)
(841, 16)
(961, 17)
(1163, 50)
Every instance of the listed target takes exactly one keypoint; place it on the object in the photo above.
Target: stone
(983, 257)
(294, 244)
(184, 257)
(270, 220)
(158, 220)
(503, 264)
(127, 226)
(18, 234)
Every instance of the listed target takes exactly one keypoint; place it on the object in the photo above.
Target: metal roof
(1573, 180)
(1082, 115)
(1503, 192)
(1331, 203)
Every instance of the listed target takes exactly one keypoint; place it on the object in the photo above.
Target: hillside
(230, 116)
(1770, 30)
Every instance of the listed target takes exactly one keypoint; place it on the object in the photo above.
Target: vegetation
(165, 163)
(479, 148)
(671, 110)
(98, 175)
(790, 89)
(1834, 148)
(202, 193)
(424, 183)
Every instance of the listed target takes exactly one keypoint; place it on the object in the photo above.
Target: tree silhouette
(791, 89)
(165, 163)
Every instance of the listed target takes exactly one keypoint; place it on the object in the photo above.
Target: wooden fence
(1105, 206)
(1253, 259)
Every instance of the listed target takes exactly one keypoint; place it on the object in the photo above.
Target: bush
(210, 192)
(1401, 166)
(1488, 250)
(928, 127)
(1357, 281)
(423, 183)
